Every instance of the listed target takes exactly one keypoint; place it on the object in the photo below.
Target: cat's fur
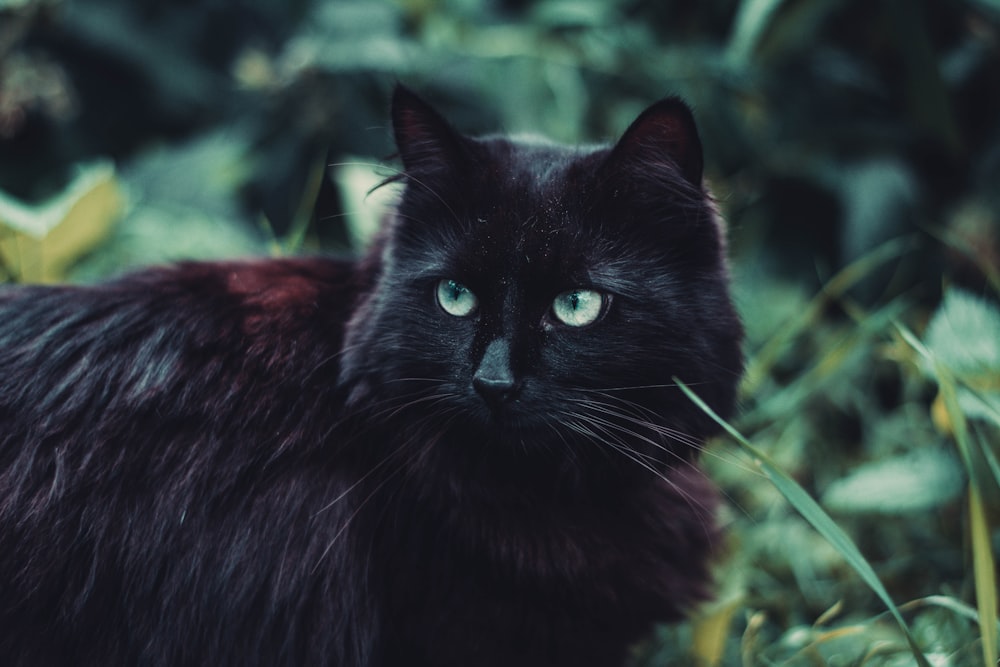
(286, 462)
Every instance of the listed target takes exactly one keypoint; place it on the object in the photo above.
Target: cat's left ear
(427, 143)
(664, 131)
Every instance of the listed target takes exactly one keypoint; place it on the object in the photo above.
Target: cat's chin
(505, 426)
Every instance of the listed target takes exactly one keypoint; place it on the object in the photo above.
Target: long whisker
(657, 428)
(400, 404)
(398, 175)
(664, 431)
(416, 453)
(357, 482)
(357, 510)
(670, 385)
(639, 459)
(599, 421)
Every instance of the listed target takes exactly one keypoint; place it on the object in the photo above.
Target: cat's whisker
(333, 216)
(416, 379)
(357, 510)
(346, 492)
(588, 434)
(393, 406)
(400, 175)
(615, 444)
(323, 363)
(361, 163)
(567, 447)
(670, 385)
(689, 465)
(630, 452)
(659, 429)
(390, 175)
(417, 447)
(639, 410)
(430, 400)
(644, 461)
(634, 434)
(377, 411)
(673, 434)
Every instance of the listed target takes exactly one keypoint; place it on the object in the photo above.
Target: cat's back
(141, 415)
(196, 343)
(190, 329)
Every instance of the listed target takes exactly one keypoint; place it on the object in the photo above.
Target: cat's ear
(427, 143)
(664, 131)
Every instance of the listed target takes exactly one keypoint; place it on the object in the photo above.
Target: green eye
(578, 308)
(456, 299)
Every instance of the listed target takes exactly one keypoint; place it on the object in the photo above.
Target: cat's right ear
(427, 143)
(665, 133)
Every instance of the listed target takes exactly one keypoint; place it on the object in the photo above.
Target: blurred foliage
(207, 128)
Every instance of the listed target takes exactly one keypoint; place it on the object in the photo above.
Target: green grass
(876, 578)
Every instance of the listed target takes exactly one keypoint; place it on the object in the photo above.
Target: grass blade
(752, 21)
(819, 519)
(984, 567)
(765, 358)
(983, 563)
(991, 460)
(953, 605)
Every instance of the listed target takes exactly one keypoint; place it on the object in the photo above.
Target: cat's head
(537, 300)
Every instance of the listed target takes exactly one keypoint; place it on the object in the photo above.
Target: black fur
(287, 462)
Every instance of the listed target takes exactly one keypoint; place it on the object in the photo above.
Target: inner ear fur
(427, 143)
(664, 131)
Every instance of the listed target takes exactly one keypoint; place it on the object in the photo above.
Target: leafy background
(854, 148)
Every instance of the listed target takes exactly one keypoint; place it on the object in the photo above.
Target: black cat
(463, 450)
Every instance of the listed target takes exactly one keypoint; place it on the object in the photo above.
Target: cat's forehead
(536, 166)
(528, 219)
(537, 192)
(526, 212)
(520, 212)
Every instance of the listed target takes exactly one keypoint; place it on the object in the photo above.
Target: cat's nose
(495, 390)
(494, 380)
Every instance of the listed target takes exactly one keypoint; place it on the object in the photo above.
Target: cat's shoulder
(264, 282)
(169, 339)
(232, 301)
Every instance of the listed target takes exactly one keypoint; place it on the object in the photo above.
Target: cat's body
(463, 450)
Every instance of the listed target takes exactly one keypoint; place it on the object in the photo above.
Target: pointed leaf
(915, 482)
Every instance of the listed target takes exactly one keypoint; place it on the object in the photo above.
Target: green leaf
(953, 605)
(814, 514)
(964, 335)
(980, 405)
(38, 221)
(914, 482)
(39, 243)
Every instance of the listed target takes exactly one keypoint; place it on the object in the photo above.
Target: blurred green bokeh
(209, 128)
(830, 125)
